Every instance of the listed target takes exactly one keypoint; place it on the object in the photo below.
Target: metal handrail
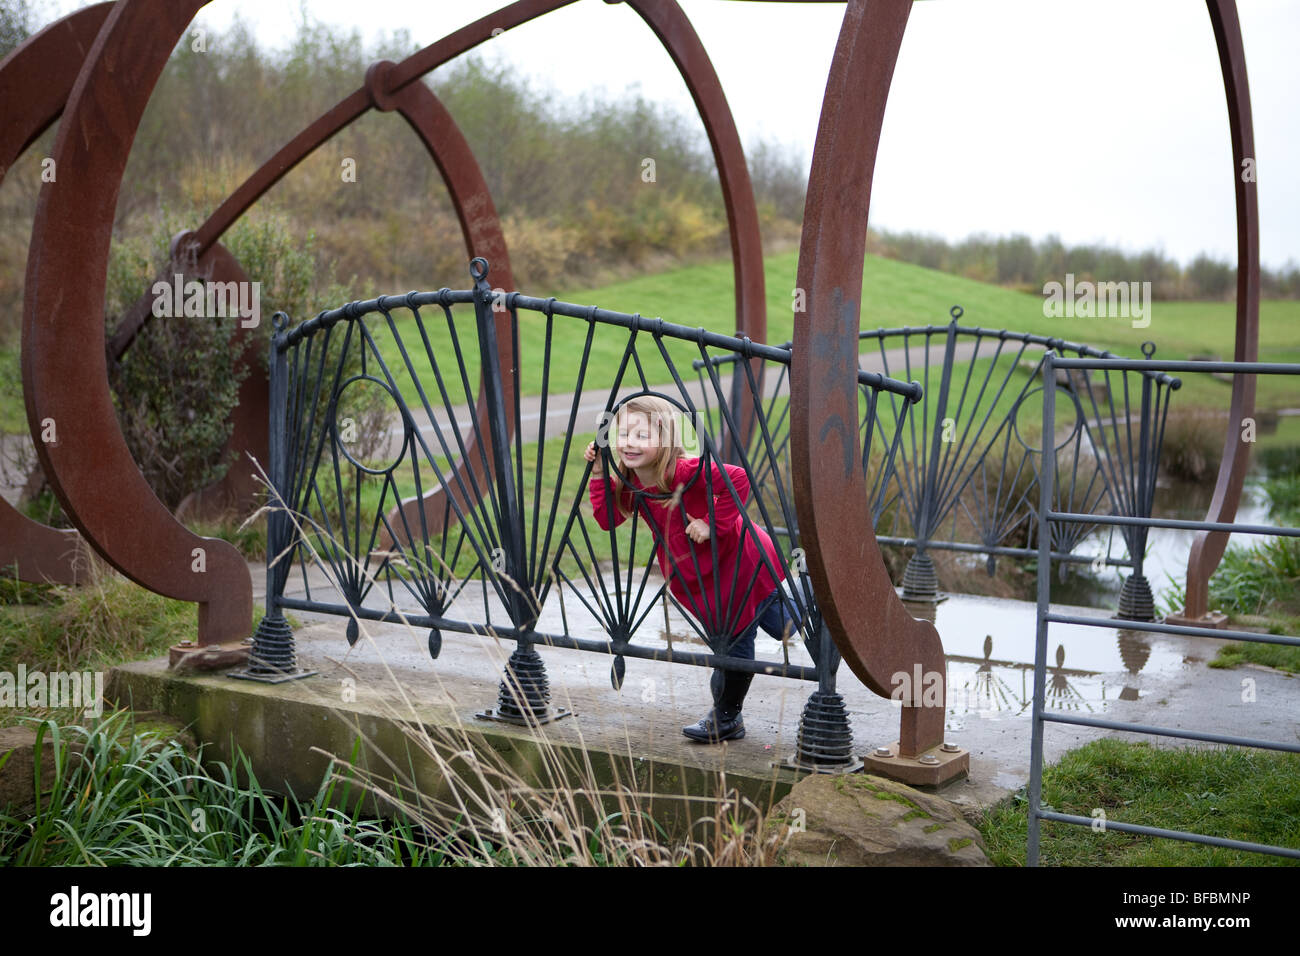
(510, 521)
(1045, 516)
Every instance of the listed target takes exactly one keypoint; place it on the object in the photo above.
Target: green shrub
(179, 380)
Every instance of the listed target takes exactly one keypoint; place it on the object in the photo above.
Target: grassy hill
(897, 294)
(894, 294)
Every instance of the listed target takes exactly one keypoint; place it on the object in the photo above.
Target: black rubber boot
(724, 721)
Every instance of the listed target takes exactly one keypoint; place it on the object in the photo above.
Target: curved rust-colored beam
(65, 373)
(37, 76)
(481, 229)
(287, 158)
(672, 28)
(1208, 546)
(873, 629)
(357, 103)
(675, 32)
(35, 80)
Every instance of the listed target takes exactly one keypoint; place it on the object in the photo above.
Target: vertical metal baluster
(1136, 602)
(1047, 479)
(524, 696)
(920, 583)
(272, 658)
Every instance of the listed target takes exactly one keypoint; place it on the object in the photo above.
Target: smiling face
(638, 441)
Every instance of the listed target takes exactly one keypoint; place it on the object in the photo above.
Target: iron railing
(1048, 514)
(475, 517)
(962, 456)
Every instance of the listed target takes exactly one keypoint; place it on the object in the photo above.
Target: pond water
(989, 646)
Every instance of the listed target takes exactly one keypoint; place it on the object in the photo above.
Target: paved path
(560, 404)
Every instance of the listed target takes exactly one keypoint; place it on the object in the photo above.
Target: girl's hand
(591, 454)
(698, 530)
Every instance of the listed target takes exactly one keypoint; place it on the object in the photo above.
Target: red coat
(726, 602)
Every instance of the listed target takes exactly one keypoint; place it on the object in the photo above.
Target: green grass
(1281, 656)
(1259, 579)
(122, 799)
(88, 628)
(1262, 579)
(91, 627)
(894, 294)
(110, 796)
(1234, 793)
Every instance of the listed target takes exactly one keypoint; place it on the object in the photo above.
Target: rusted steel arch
(823, 401)
(1208, 547)
(35, 80)
(65, 373)
(37, 76)
(481, 228)
(674, 30)
(870, 624)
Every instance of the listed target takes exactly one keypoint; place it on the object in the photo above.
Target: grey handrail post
(920, 583)
(1136, 601)
(276, 519)
(272, 657)
(1046, 482)
(512, 538)
(524, 694)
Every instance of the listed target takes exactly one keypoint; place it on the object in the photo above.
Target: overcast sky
(1097, 120)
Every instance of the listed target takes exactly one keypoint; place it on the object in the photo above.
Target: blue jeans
(774, 616)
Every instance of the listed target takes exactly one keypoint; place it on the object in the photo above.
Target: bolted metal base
(825, 742)
(524, 697)
(188, 656)
(920, 581)
(1136, 603)
(1215, 619)
(271, 659)
(936, 767)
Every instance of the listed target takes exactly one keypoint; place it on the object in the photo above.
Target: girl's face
(637, 441)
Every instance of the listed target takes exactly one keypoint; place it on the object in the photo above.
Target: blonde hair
(662, 416)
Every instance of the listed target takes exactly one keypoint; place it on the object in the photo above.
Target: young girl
(673, 495)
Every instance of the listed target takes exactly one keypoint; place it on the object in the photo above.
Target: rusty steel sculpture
(98, 67)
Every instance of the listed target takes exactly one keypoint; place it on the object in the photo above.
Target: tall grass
(105, 621)
(117, 799)
(111, 798)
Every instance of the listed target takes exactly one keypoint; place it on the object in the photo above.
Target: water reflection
(994, 688)
(1134, 651)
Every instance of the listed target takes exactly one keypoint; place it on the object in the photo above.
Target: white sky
(1097, 120)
